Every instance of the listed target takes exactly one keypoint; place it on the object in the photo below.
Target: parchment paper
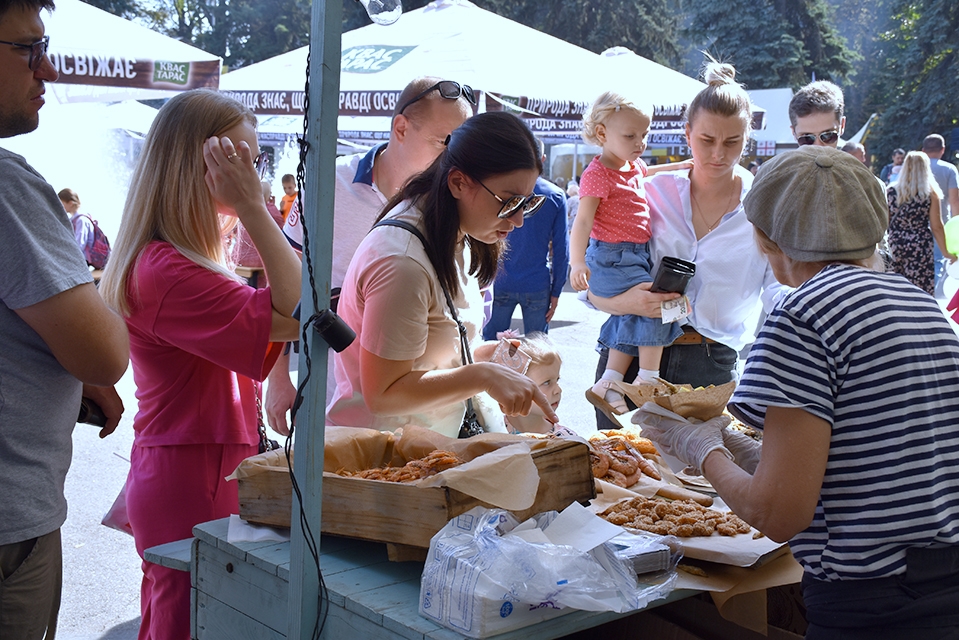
(739, 551)
(500, 470)
(739, 593)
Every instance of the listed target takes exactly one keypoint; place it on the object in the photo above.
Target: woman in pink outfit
(200, 337)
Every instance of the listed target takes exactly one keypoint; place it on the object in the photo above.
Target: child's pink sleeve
(593, 184)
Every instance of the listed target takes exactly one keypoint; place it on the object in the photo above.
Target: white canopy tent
(777, 132)
(89, 127)
(101, 57)
(451, 39)
(510, 63)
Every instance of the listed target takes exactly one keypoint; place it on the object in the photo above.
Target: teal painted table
(241, 591)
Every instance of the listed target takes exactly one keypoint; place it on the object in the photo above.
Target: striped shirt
(874, 357)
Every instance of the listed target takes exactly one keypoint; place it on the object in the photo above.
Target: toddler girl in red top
(609, 250)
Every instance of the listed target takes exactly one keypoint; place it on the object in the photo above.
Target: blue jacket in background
(526, 267)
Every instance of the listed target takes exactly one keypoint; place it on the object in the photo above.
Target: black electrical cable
(323, 600)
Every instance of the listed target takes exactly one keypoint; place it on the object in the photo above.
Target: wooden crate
(405, 514)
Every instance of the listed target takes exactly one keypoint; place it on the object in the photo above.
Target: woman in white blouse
(697, 215)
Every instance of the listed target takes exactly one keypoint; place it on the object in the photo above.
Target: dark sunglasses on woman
(527, 204)
(448, 89)
(827, 137)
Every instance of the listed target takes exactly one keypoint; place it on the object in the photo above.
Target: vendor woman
(855, 381)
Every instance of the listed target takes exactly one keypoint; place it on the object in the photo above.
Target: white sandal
(596, 395)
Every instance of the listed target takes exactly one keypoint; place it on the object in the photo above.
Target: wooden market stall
(275, 589)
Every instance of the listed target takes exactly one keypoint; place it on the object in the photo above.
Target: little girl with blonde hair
(543, 369)
(609, 250)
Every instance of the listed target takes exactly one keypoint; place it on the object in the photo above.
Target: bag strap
(464, 343)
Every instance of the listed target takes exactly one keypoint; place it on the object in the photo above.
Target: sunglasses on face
(260, 163)
(37, 49)
(527, 204)
(827, 137)
(448, 89)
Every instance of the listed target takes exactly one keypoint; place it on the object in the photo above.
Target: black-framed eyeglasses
(37, 49)
(261, 164)
(527, 204)
(448, 89)
(827, 137)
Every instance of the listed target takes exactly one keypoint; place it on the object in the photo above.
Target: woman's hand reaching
(514, 392)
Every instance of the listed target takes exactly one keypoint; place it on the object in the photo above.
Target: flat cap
(818, 204)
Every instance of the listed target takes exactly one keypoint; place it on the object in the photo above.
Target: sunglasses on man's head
(448, 89)
(827, 137)
(37, 50)
(527, 204)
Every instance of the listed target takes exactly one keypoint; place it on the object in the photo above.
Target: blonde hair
(539, 348)
(168, 198)
(916, 181)
(722, 96)
(605, 105)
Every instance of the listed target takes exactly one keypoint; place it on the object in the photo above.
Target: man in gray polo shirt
(58, 340)
(947, 176)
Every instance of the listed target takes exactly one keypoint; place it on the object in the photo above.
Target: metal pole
(325, 29)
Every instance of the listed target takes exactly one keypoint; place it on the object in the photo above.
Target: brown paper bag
(702, 404)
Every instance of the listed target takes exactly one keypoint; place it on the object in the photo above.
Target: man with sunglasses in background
(426, 111)
(816, 114)
(58, 340)
(534, 269)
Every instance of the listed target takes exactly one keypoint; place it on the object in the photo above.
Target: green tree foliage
(860, 22)
(918, 84)
(647, 27)
(239, 31)
(128, 9)
(772, 43)
(265, 28)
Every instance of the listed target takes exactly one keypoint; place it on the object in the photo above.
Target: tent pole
(325, 27)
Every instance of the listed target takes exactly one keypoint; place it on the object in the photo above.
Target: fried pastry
(681, 518)
(413, 470)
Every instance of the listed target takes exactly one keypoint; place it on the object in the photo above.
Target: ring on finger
(233, 156)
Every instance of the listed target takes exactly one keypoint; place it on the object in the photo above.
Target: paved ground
(101, 579)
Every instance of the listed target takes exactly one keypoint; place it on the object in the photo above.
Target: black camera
(91, 413)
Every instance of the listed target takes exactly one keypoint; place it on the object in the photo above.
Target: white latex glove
(746, 451)
(680, 438)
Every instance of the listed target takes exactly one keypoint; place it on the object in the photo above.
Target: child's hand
(579, 277)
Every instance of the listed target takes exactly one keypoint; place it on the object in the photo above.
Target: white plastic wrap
(476, 566)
